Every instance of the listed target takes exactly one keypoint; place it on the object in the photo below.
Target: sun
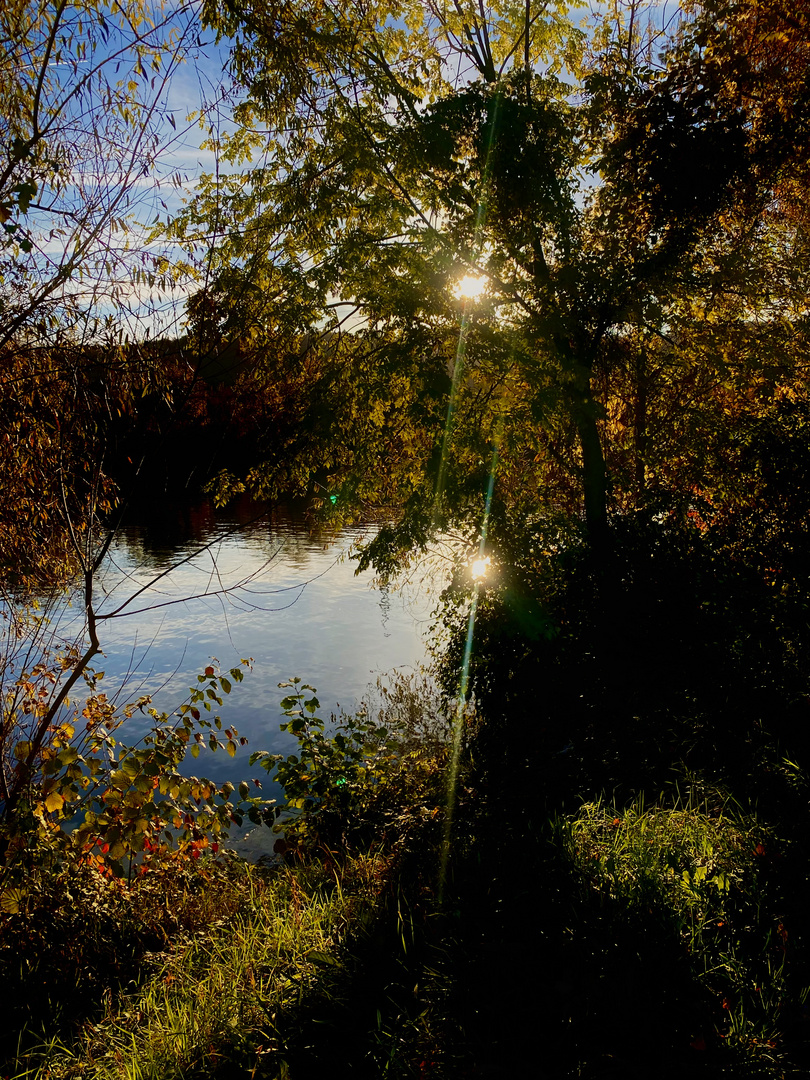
(479, 568)
(470, 287)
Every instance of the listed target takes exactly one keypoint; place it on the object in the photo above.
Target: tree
(84, 107)
(84, 121)
(615, 192)
(85, 129)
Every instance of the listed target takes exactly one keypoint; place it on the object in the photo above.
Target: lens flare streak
(461, 703)
(458, 724)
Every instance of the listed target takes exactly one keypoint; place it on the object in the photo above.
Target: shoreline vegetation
(597, 938)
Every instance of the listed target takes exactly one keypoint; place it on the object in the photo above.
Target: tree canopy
(628, 194)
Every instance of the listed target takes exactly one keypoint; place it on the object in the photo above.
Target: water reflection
(247, 584)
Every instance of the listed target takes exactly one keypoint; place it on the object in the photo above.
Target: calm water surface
(264, 589)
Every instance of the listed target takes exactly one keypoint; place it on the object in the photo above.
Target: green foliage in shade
(700, 863)
(352, 781)
(690, 855)
(678, 648)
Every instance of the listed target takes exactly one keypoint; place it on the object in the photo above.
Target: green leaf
(67, 755)
(131, 767)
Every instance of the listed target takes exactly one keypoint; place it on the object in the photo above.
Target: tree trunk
(594, 477)
(640, 425)
(594, 473)
(584, 412)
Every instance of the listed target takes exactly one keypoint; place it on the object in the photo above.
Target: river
(185, 584)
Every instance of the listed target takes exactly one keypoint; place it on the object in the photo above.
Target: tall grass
(217, 996)
(700, 864)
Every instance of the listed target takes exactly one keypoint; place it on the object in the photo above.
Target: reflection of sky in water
(288, 600)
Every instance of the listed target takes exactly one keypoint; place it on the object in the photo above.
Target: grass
(701, 867)
(213, 1000)
(655, 938)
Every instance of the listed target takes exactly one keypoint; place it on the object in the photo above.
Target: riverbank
(645, 940)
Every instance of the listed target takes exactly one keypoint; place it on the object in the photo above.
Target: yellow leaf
(10, 900)
(54, 802)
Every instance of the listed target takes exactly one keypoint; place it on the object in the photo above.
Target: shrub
(92, 800)
(360, 778)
